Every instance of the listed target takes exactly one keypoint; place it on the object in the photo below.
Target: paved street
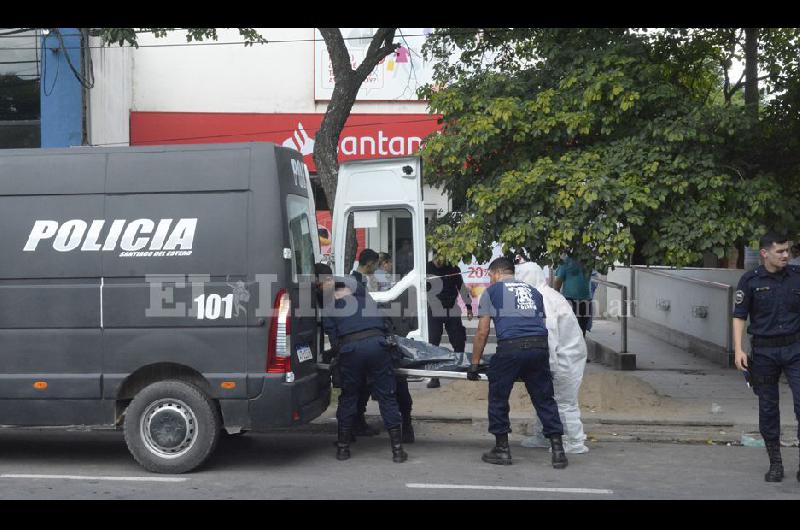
(442, 465)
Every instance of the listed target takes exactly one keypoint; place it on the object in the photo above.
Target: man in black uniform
(770, 295)
(518, 313)
(367, 264)
(444, 285)
(364, 354)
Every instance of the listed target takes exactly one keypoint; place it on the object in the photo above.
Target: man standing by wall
(770, 295)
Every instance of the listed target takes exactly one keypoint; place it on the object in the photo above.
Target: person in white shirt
(567, 360)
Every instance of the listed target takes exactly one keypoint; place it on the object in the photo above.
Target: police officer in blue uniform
(770, 295)
(517, 310)
(357, 328)
(367, 264)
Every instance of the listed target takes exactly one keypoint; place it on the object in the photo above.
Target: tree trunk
(751, 70)
(347, 83)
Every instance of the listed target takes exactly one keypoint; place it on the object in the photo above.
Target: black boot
(343, 444)
(408, 430)
(396, 439)
(352, 439)
(559, 456)
(362, 428)
(500, 453)
(775, 473)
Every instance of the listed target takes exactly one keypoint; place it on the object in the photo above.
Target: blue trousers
(770, 362)
(532, 365)
(367, 359)
(404, 401)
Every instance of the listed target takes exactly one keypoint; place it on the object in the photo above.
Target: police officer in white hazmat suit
(567, 360)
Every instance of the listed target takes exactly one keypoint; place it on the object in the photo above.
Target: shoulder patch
(739, 297)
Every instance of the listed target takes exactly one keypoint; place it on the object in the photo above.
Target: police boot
(500, 453)
(352, 439)
(396, 439)
(362, 428)
(559, 458)
(408, 430)
(775, 473)
(343, 444)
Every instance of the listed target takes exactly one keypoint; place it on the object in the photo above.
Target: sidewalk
(673, 395)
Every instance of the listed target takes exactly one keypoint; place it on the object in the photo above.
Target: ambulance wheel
(171, 427)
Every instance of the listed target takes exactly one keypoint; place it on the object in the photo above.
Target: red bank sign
(364, 135)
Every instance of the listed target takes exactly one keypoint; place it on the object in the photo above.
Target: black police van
(152, 288)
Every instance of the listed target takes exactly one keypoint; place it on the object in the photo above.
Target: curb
(610, 357)
(626, 430)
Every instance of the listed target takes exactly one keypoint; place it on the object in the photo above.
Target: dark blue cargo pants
(367, 359)
(766, 365)
(532, 365)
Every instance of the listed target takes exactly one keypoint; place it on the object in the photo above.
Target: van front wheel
(171, 427)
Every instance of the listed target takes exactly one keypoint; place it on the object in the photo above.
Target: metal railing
(623, 322)
(705, 283)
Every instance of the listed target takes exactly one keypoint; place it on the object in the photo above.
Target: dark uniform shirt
(516, 308)
(772, 300)
(360, 277)
(342, 320)
(450, 281)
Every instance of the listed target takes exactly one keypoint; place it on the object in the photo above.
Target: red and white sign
(364, 135)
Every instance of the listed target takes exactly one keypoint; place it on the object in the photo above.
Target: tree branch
(380, 47)
(340, 56)
(738, 85)
(727, 83)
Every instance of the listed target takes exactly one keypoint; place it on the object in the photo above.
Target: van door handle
(261, 321)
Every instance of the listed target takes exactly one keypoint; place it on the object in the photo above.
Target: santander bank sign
(364, 135)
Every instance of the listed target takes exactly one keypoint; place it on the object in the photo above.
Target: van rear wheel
(171, 427)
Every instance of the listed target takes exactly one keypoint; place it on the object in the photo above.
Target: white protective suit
(567, 360)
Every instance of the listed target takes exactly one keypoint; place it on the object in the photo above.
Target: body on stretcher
(420, 359)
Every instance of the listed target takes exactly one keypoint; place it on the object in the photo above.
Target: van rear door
(383, 199)
(301, 254)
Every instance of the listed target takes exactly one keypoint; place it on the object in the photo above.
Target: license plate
(304, 354)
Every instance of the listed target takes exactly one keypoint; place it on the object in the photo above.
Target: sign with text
(364, 135)
(395, 78)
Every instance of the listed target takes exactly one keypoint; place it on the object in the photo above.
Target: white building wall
(263, 78)
(653, 294)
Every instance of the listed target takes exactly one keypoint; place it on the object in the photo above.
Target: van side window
(300, 237)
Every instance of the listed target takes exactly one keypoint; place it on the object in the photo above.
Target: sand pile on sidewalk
(614, 392)
(618, 392)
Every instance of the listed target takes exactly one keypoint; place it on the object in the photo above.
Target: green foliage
(128, 36)
(598, 142)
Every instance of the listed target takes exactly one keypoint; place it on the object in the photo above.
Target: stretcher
(417, 372)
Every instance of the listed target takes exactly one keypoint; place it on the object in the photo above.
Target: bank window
(300, 236)
(20, 75)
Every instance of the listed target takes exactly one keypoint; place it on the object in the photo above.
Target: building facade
(170, 91)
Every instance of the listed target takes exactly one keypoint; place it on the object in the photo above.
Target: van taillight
(279, 346)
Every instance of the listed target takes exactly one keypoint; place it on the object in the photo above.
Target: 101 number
(211, 308)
